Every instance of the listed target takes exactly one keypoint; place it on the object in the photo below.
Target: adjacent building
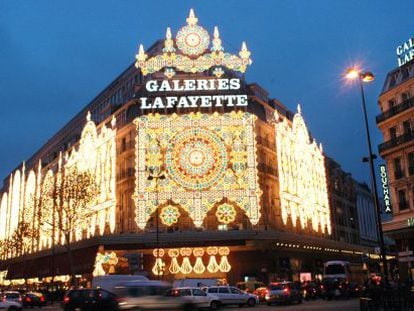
(396, 122)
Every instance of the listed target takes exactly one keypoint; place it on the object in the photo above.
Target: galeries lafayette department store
(195, 174)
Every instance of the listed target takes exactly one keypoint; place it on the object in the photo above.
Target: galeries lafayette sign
(183, 87)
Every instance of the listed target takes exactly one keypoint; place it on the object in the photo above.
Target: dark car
(261, 293)
(283, 292)
(32, 299)
(89, 299)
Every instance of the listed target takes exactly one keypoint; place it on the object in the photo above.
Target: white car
(9, 305)
(229, 295)
(198, 297)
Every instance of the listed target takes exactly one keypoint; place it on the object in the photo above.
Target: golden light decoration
(169, 215)
(32, 199)
(158, 268)
(192, 43)
(226, 213)
(224, 262)
(302, 175)
(199, 267)
(186, 267)
(219, 163)
(174, 266)
(213, 266)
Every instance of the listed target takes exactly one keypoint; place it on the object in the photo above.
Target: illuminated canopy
(192, 42)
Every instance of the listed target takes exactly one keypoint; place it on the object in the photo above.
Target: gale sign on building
(385, 188)
(405, 52)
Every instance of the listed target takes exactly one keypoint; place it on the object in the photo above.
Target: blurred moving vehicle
(193, 282)
(249, 286)
(89, 299)
(109, 282)
(229, 295)
(150, 295)
(283, 292)
(9, 305)
(32, 299)
(337, 269)
(261, 293)
(199, 298)
(14, 296)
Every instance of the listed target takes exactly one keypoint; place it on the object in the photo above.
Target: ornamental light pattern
(302, 176)
(32, 199)
(189, 53)
(206, 158)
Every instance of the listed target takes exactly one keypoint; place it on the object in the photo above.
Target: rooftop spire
(191, 19)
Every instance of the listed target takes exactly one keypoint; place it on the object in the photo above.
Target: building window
(410, 159)
(391, 103)
(407, 127)
(397, 168)
(405, 96)
(402, 202)
(393, 133)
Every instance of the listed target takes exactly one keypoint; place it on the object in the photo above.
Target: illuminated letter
(202, 85)
(165, 86)
(158, 103)
(234, 84)
(241, 100)
(183, 102)
(399, 50)
(218, 99)
(151, 86)
(223, 84)
(177, 86)
(144, 103)
(171, 101)
(230, 99)
(205, 101)
(189, 85)
(193, 101)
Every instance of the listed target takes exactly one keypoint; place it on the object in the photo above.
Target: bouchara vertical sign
(385, 188)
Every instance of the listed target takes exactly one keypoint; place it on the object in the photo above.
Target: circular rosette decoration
(196, 159)
(169, 215)
(192, 40)
(226, 213)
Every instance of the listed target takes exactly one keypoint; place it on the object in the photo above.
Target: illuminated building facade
(180, 142)
(396, 122)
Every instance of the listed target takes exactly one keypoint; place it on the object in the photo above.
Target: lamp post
(365, 77)
(156, 177)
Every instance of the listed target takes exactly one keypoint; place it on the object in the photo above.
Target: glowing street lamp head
(367, 76)
(352, 73)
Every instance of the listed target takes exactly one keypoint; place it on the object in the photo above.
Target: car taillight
(66, 299)
(28, 299)
(286, 291)
(4, 299)
(20, 299)
(42, 298)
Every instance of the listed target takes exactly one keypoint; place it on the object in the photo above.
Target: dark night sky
(55, 56)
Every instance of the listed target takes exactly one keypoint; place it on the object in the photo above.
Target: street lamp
(353, 74)
(152, 175)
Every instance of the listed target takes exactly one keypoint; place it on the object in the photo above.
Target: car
(230, 295)
(198, 297)
(283, 292)
(9, 305)
(150, 295)
(12, 296)
(89, 299)
(33, 299)
(261, 293)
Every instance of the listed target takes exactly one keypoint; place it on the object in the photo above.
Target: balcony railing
(395, 110)
(399, 140)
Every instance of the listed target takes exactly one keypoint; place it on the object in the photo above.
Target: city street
(341, 305)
